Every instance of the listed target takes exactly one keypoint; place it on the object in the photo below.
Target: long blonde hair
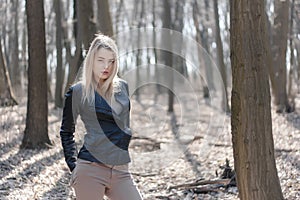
(88, 82)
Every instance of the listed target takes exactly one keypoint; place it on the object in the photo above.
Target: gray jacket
(107, 133)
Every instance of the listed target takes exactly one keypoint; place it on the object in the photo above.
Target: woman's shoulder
(77, 87)
(120, 84)
(120, 81)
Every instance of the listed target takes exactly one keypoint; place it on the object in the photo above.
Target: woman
(101, 99)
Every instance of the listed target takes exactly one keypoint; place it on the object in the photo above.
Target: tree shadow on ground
(189, 157)
(16, 159)
(294, 119)
(61, 190)
(26, 175)
(6, 147)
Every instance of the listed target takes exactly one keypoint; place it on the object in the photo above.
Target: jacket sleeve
(67, 130)
(125, 86)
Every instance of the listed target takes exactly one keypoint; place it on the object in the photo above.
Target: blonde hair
(89, 85)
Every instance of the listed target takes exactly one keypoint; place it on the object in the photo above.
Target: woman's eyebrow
(105, 58)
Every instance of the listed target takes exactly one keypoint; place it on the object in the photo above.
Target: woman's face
(103, 64)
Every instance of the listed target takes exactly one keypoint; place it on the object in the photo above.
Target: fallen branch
(206, 189)
(143, 174)
(205, 182)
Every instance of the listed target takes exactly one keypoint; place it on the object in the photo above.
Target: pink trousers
(92, 181)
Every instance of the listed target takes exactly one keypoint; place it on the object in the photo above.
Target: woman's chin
(103, 78)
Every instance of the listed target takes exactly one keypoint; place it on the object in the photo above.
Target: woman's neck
(100, 90)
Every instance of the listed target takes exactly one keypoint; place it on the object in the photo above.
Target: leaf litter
(167, 152)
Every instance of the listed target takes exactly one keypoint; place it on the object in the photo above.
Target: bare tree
(178, 60)
(84, 31)
(139, 51)
(201, 56)
(6, 94)
(201, 22)
(297, 46)
(205, 40)
(59, 67)
(221, 63)
(251, 110)
(104, 18)
(279, 43)
(36, 131)
(155, 53)
(75, 60)
(14, 51)
(292, 57)
(86, 22)
(167, 55)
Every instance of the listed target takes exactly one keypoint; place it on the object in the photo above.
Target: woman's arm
(67, 130)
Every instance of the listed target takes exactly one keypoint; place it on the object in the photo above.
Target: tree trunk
(24, 64)
(104, 18)
(201, 56)
(139, 51)
(297, 46)
(84, 30)
(118, 18)
(76, 59)
(36, 131)
(204, 41)
(59, 67)
(167, 55)
(155, 53)
(280, 33)
(221, 63)
(291, 45)
(14, 53)
(178, 60)
(269, 57)
(252, 140)
(6, 94)
(86, 26)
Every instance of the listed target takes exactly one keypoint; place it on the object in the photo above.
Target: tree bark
(59, 67)
(86, 24)
(279, 43)
(251, 111)
(36, 131)
(104, 18)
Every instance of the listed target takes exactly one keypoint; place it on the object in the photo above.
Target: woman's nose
(106, 65)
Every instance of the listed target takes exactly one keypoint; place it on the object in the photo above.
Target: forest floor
(167, 150)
